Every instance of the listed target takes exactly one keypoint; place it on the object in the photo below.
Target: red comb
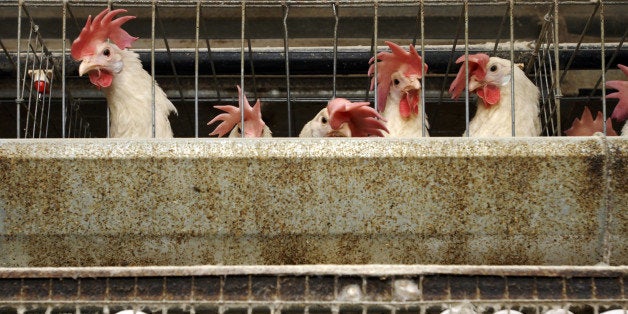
(621, 110)
(98, 30)
(361, 118)
(477, 67)
(252, 117)
(388, 63)
(586, 126)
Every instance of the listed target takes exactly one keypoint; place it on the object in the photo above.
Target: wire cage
(315, 289)
(296, 55)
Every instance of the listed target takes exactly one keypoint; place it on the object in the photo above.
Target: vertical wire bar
(211, 59)
(375, 31)
(451, 58)
(539, 40)
(18, 98)
(241, 99)
(610, 61)
(52, 77)
(557, 91)
(198, 25)
(335, 8)
(152, 63)
(466, 65)
(552, 110)
(252, 65)
(512, 66)
(109, 6)
(287, 61)
(40, 96)
(423, 117)
(63, 50)
(44, 98)
(584, 31)
(603, 66)
(499, 31)
(172, 65)
(30, 89)
(546, 88)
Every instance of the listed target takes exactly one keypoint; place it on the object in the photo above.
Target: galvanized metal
(339, 288)
(292, 201)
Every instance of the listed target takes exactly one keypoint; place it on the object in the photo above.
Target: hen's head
(320, 126)
(253, 123)
(101, 58)
(361, 119)
(621, 110)
(400, 72)
(486, 77)
(586, 126)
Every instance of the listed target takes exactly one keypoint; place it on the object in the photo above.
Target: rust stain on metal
(184, 202)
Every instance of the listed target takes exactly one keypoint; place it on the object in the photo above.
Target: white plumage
(130, 102)
(491, 79)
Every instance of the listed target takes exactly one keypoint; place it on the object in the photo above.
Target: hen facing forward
(489, 79)
(398, 79)
(119, 73)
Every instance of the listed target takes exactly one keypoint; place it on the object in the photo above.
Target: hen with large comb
(362, 120)
(118, 72)
(490, 78)
(254, 126)
(399, 75)
(103, 27)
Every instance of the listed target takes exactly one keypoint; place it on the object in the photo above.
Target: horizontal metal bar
(300, 3)
(350, 60)
(340, 270)
(322, 304)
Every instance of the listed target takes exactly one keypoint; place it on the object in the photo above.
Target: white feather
(496, 121)
(129, 98)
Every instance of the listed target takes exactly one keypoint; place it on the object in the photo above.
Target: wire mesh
(297, 55)
(314, 289)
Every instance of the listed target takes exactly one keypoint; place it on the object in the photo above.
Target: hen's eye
(106, 52)
(396, 82)
(324, 120)
(493, 68)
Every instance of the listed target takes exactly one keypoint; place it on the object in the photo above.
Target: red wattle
(490, 94)
(404, 107)
(100, 78)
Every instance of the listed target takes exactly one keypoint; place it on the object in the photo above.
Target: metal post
(512, 67)
(241, 99)
(287, 54)
(557, 90)
(18, 98)
(375, 30)
(466, 64)
(63, 50)
(423, 117)
(198, 19)
(335, 66)
(152, 63)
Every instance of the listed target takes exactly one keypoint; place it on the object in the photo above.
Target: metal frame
(344, 288)
(547, 56)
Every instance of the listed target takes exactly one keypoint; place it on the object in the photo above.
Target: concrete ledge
(537, 201)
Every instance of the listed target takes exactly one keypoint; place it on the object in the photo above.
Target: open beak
(88, 65)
